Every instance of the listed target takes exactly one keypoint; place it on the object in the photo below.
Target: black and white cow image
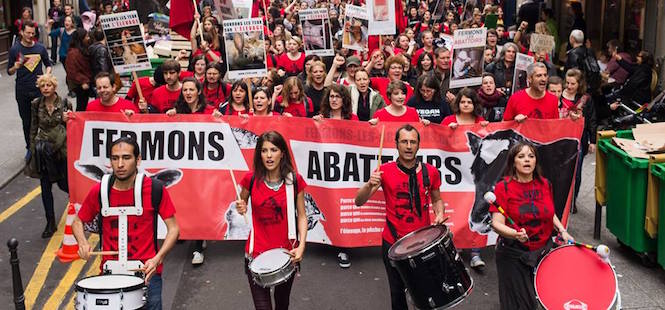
(238, 228)
(245, 138)
(168, 176)
(556, 159)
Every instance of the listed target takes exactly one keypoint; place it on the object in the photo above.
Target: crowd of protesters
(400, 78)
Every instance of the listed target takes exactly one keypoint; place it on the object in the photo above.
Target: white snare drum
(110, 292)
(271, 268)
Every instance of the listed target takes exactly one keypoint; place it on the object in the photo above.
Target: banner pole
(138, 87)
(383, 131)
(198, 22)
(235, 189)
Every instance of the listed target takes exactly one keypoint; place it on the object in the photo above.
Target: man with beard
(165, 96)
(409, 187)
(534, 101)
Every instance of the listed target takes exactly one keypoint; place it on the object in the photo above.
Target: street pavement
(220, 283)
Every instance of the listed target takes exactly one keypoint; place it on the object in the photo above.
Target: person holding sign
(273, 175)
(407, 208)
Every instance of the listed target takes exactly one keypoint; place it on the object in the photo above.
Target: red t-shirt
(269, 217)
(530, 205)
(395, 185)
(120, 105)
(522, 103)
(297, 108)
(146, 88)
(210, 59)
(185, 74)
(411, 115)
(380, 84)
(217, 95)
(140, 235)
(290, 66)
(453, 119)
(163, 99)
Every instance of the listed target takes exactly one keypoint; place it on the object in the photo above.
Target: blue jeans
(154, 298)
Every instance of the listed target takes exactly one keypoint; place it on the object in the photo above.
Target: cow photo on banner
(124, 40)
(316, 32)
(192, 154)
(381, 15)
(356, 27)
(520, 81)
(245, 48)
(468, 49)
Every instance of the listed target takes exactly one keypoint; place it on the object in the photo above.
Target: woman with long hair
(427, 99)
(504, 67)
(267, 186)
(575, 102)
(522, 245)
(466, 110)
(315, 85)
(65, 35)
(293, 101)
(424, 66)
(48, 145)
(191, 99)
(237, 103)
(197, 68)
(293, 61)
(336, 104)
(262, 103)
(491, 100)
(77, 67)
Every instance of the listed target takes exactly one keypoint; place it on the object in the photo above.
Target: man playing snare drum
(408, 193)
(141, 231)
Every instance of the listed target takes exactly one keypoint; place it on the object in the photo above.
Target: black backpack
(591, 70)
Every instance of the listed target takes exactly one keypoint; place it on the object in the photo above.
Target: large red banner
(194, 155)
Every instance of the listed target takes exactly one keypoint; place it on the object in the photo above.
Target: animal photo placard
(381, 15)
(245, 48)
(124, 40)
(520, 81)
(356, 27)
(316, 32)
(468, 48)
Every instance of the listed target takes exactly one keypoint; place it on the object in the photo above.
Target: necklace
(274, 185)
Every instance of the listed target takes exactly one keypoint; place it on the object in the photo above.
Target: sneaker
(477, 262)
(344, 261)
(198, 258)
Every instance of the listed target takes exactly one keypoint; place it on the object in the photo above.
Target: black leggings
(47, 193)
(82, 97)
(261, 295)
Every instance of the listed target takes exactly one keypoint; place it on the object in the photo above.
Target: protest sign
(124, 40)
(245, 48)
(355, 35)
(522, 61)
(316, 32)
(192, 154)
(233, 9)
(468, 48)
(541, 42)
(381, 15)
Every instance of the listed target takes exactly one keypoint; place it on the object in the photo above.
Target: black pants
(47, 193)
(54, 49)
(23, 99)
(82, 97)
(198, 246)
(261, 295)
(397, 294)
(516, 290)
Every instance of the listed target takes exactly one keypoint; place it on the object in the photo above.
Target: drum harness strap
(414, 192)
(291, 197)
(157, 189)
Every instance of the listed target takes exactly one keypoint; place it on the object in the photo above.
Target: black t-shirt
(433, 111)
(363, 107)
(26, 75)
(316, 96)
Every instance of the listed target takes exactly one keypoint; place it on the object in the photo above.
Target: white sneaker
(477, 262)
(344, 261)
(198, 258)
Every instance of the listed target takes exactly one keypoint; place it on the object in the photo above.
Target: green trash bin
(154, 63)
(658, 170)
(626, 195)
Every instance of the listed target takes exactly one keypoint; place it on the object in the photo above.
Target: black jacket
(100, 60)
(499, 70)
(638, 85)
(575, 58)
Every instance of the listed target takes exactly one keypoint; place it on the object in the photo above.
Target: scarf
(488, 101)
(414, 188)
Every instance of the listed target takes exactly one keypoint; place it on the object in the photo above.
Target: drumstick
(491, 199)
(235, 189)
(383, 131)
(602, 250)
(104, 253)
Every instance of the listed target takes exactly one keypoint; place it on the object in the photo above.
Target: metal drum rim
(535, 285)
(288, 276)
(108, 291)
(271, 272)
(391, 251)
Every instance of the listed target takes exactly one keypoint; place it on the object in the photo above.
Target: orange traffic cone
(69, 250)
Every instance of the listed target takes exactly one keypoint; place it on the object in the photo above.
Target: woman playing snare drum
(526, 198)
(267, 184)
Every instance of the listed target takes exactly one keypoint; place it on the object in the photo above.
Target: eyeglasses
(334, 96)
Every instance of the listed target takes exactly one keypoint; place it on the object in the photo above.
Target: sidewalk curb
(4, 182)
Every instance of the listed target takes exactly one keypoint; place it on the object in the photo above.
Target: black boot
(49, 229)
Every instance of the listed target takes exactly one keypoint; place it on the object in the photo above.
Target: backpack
(591, 70)
(157, 189)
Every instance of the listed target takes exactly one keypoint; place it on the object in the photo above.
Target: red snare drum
(572, 277)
